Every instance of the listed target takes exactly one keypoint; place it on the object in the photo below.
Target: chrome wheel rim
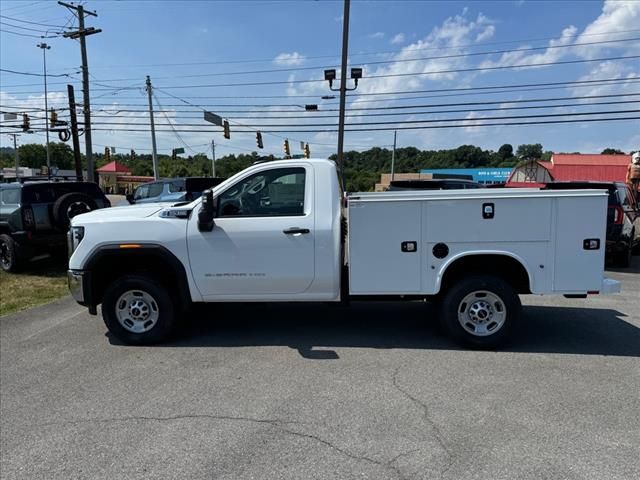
(137, 311)
(482, 313)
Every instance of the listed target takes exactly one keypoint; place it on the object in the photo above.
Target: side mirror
(130, 199)
(207, 212)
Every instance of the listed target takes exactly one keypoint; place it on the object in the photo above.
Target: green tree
(505, 152)
(32, 155)
(529, 151)
(612, 151)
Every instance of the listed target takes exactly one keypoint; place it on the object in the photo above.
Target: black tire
(499, 314)
(162, 303)
(9, 254)
(70, 205)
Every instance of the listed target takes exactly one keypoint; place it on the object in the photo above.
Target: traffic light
(307, 151)
(174, 155)
(25, 122)
(225, 126)
(133, 154)
(259, 140)
(285, 146)
(53, 118)
(107, 153)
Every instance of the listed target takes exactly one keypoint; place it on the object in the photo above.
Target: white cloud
(376, 35)
(289, 59)
(486, 34)
(397, 39)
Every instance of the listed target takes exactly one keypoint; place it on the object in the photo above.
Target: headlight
(74, 237)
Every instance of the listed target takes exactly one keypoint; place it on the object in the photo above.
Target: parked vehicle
(432, 184)
(173, 189)
(623, 218)
(281, 232)
(35, 216)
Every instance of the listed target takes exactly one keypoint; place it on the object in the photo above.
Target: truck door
(263, 240)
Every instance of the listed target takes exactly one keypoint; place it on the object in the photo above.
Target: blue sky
(187, 44)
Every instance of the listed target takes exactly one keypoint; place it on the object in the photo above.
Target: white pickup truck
(283, 231)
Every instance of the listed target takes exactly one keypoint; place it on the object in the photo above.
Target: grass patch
(38, 282)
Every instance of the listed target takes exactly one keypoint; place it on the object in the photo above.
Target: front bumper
(79, 282)
(76, 280)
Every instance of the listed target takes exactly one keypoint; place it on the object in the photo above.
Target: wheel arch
(506, 265)
(109, 262)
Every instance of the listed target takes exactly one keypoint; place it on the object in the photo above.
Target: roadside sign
(178, 150)
(301, 145)
(10, 116)
(213, 118)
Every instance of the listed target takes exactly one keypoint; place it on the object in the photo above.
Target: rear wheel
(481, 311)
(138, 310)
(9, 254)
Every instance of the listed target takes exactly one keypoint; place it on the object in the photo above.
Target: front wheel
(138, 310)
(481, 311)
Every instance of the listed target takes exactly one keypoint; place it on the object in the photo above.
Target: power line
(396, 75)
(321, 67)
(266, 126)
(421, 127)
(3, 30)
(402, 107)
(23, 28)
(333, 56)
(36, 74)
(12, 19)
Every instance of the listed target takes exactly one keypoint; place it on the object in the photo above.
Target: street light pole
(343, 84)
(44, 48)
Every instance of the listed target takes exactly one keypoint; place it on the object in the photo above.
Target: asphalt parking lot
(324, 392)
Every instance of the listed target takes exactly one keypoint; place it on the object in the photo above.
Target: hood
(118, 213)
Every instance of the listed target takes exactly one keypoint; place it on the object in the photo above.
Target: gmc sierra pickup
(283, 231)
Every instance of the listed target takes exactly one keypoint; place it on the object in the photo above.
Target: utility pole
(74, 132)
(81, 33)
(213, 158)
(154, 154)
(16, 154)
(44, 48)
(393, 155)
(343, 84)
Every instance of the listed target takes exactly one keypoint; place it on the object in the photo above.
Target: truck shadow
(317, 331)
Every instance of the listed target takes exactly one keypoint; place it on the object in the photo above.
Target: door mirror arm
(207, 211)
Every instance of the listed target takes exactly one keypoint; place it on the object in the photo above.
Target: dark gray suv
(35, 216)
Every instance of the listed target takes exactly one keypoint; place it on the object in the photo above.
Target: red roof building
(113, 167)
(589, 166)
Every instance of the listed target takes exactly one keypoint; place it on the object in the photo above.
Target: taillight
(618, 215)
(28, 220)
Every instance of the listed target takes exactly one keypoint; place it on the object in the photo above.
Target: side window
(141, 193)
(271, 193)
(10, 196)
(176, 186)
(155, 189)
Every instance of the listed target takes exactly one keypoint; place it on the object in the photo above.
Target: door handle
(294, 230)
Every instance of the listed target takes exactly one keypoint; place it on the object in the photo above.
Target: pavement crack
(273, 422)
(437, 433)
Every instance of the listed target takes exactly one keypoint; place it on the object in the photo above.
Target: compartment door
(382, 257)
